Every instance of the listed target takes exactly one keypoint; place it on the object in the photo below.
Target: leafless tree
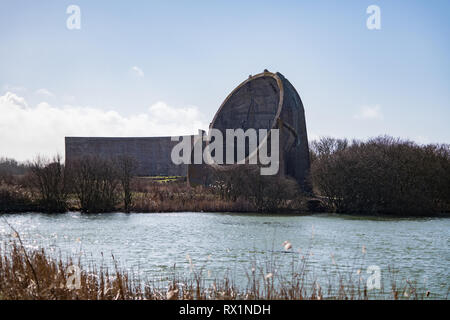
(95, 183)
(126, 169)
(49, 178)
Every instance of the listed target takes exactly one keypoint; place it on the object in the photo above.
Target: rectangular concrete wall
(152, 154)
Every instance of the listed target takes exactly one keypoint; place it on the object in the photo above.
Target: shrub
(382, 175)
(49, 178)
(265, 193)
(15, 199)
(95, 183)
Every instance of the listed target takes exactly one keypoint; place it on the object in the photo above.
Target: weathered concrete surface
(152, 154)
(265, 101)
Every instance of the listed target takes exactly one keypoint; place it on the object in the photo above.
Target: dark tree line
(98, 184)
(10, 167)
(382, 175)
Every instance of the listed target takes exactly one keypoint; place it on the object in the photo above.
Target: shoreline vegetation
(380, 176)
(34, 274)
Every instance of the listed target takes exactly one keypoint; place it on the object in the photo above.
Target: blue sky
(142, 63)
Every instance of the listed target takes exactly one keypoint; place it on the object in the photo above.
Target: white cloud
(26, 131)
(44, 92)
(138, 71)
(369, 113)
(12, 99)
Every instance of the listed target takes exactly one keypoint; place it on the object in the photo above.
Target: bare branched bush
(95, 183)
(126, 170)
(382, 175)
(49, 178)
(265, 193)
(14, 198)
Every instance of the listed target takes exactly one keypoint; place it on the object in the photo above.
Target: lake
(151, 244)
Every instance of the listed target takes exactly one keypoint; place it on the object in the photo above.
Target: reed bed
(176, 197)
(34, 274)
(154, 196)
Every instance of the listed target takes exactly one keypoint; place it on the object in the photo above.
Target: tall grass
(153, 196)
(35, 274)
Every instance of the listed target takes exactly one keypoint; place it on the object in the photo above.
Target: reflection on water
(152, 244)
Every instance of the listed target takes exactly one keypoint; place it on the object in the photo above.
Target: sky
(158, 68)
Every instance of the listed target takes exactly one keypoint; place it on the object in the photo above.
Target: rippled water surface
(152, 244)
